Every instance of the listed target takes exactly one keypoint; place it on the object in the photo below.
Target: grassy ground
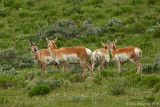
(19, 19)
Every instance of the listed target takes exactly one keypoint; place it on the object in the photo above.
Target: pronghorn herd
(79, 54)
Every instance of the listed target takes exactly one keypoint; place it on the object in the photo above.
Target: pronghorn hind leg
(84, 67)
(93, 64)
(122, 66)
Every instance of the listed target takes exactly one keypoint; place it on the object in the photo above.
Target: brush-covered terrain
(78, 23)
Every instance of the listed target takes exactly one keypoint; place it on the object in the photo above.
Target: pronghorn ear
(115, 41)
(30, 42)
(103, 44)
(54, 41)
(47, 39)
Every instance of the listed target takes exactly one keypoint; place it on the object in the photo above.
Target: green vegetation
(78, 23)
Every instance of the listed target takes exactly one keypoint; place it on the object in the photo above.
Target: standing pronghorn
(125, 54)
(101, 56)
(42, 57)
(66, 55)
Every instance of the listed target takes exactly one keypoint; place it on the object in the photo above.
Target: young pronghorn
(66, 55)
(42, 57)
(101, 56)
(125, 54)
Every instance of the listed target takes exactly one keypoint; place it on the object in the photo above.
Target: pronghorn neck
(113, 49)
(36, 55)
(52, 50)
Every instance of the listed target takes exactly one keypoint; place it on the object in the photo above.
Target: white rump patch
(50, 60)
(96, 55)
(137, 52)
(89, 52)
(122, 57)
(71, 58)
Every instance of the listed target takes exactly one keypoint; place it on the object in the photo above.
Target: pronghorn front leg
(118, 65)
(93, 64)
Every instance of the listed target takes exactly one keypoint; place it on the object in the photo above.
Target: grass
(20, 19)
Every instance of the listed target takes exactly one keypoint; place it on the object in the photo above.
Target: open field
(79, 23)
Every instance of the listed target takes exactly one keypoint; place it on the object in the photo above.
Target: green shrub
(127, 8)
(117, 12)
(8, 3)
(77, 78)
(150, 99)
(51, 82)
(134, 79)
(97, 80)
(77, 17)
(157, 86)
(138, 28)
(116, 86)
(134, 2)
(24, 14)
(10, 81)
(4, 12)
(3, 100)
(147, 68)
(99, 16)
(107, 73)
(17, 5)
(96, 1)
(129, 20)
(119, 35)
(30, 2)
(157, 33)
(151, 2)
(150, 80)
(39, 90)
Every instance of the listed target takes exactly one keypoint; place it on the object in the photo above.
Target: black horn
(30, 41)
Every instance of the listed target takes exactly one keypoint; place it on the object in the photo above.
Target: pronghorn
(101, 56)
(66, 55)
(125, 54)
(42, 57)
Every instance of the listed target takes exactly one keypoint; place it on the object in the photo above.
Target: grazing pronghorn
(66, 55)
(101, 56)
(42, 57)
(125, 54)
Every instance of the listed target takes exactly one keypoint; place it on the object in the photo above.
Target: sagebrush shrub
(157, 33)
(8, 3)
(39, 90)
(108, 73)
(150, 80)
(134, 79)
(114, 22)
(96, 1)
(138, 28)
(116, 86)
(97, 80)
(77, 78)
(151, 2)
(117, 12)
(134, 2)
(147, 68)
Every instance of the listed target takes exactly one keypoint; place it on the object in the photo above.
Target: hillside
(78, 23)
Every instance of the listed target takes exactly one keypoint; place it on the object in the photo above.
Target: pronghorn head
(112, 44)
(51, 43)
(106, 46)
(34, 47)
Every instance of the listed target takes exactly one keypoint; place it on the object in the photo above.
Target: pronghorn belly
(71, 58)
(96, 55)
(122, 57)
(50, 60)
